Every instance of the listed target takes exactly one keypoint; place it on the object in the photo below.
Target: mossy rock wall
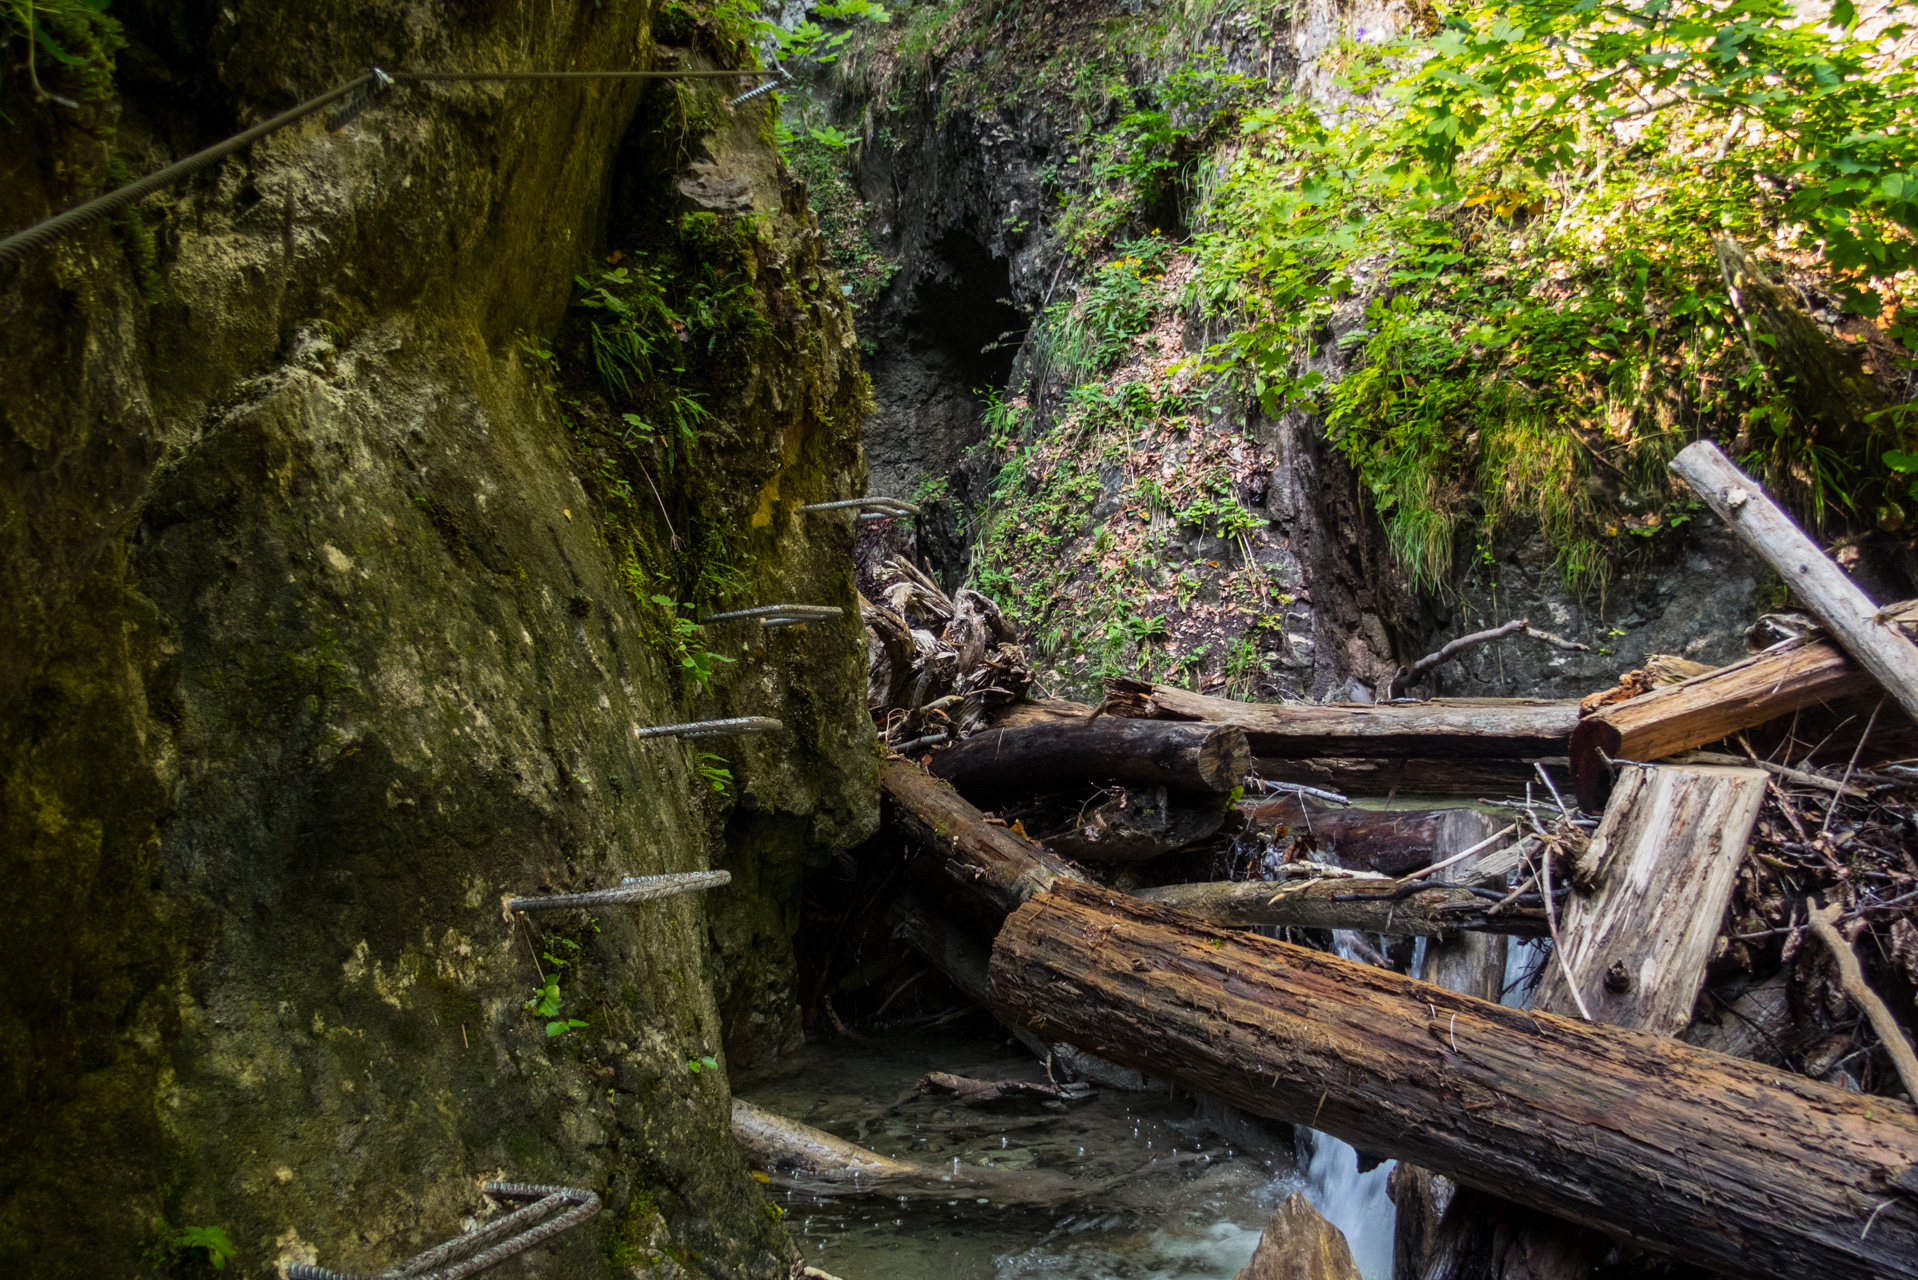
(315, 648)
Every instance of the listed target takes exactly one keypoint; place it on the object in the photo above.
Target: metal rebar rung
(712, 728)
(786, 614)
(631, 889)
(665, 886)
(896, 506)
(522, 1229)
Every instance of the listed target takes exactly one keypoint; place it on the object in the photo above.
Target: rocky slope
(326, 628)
(1036, 173)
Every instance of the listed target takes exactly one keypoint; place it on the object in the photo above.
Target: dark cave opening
(951, 336)
(963, 315)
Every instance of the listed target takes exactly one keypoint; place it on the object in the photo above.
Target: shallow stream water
(1197, 1181)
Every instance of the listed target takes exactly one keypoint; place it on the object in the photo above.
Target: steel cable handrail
(23, 244)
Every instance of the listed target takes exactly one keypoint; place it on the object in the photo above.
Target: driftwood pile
(1717, 864)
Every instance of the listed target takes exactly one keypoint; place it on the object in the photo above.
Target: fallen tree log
(1721, 1162)
(1662, 865)
(962, 960)
(1716, 705)
(1149, 753)
(1139, 824)
(993, 867)
(1388, 841)
(1865, 631)
(1435, 911)
(1509, 728)
(1408, 767)
(1474, 965)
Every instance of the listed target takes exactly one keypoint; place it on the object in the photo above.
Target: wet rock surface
(316, 649)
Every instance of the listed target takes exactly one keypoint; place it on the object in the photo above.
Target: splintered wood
(1717, 704)
(1661, 867)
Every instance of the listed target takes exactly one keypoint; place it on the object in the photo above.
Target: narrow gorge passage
(530, 532)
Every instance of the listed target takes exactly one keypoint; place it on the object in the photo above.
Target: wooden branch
(1197, 757)
(801, 1158)
(1859, 625)
(1366, 904)
(989, 865)
(1852, 976)
(1717, 704)
(1721, 1162)
(1784, 771)
(1414, 675)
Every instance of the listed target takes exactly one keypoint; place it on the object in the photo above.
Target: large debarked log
(1194, 757)
(1503, 728)
(1723, 1162)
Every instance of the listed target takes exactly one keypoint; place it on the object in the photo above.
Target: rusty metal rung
(712, 728)
(892, 506)
(631, 889)
(780, 615)
(517, 1232)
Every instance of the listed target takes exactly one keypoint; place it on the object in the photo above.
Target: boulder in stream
(1298, 1244)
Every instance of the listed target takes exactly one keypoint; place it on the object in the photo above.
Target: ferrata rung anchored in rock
(712, 728)
(885, 506)
(780, 615)
(631, 889)
(485, 1247)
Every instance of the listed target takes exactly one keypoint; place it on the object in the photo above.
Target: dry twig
(1852, 978)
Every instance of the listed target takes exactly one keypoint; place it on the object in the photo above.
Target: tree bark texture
(1472, 964)
(1662, 865)
(1313, 904)
(1716, 705)
(1409, 768)
(990, 865)
(1864, 630)
(1722, 1162)
(1149, 753)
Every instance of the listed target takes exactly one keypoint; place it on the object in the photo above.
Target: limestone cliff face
(315, 646)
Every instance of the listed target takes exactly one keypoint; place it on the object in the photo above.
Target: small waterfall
(1353, 1202)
